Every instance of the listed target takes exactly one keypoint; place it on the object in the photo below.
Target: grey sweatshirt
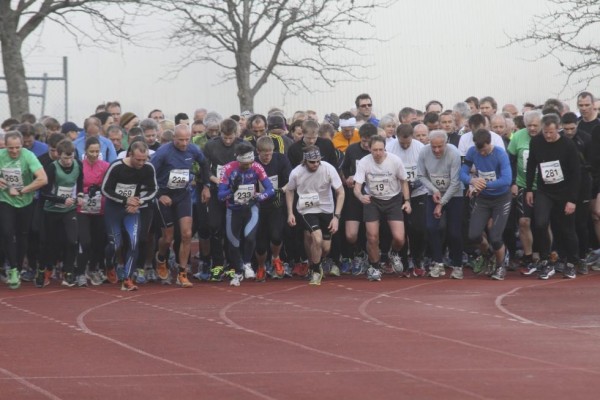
(441, 174)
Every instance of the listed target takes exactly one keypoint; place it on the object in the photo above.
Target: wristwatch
(338, 216)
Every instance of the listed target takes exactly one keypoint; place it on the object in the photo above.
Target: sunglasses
(366, 105)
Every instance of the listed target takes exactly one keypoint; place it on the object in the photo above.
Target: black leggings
(60, 237)
(241, 235)
(270, 229)
(544, 207)
(15, 229)
(415, 230)
(92, 242)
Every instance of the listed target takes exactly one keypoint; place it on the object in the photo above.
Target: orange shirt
(341, 143)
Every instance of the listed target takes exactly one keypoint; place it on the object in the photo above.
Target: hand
(350, 182)
(205, 195)
(133, 201)
(165, 200)
(569, 208)
(132, 209)
(437, 211)
(529, 198)
(437, 197)
(406, 207)
(365, 199)
(3, 183)
(13, 192)
(514, 190)
(291, 220)
(69, 201)
(80, 201)
(333, 225)
(479, 184)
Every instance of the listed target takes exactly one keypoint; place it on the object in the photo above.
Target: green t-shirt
(18, 173)
(519, 147)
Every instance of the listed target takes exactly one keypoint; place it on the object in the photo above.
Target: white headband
(248, 157)
(345, 123)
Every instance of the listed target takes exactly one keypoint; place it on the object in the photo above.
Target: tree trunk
(242, 76)
(14, 72)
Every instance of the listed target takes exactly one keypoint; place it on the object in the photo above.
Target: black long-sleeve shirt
(558, 167)
(122, 181)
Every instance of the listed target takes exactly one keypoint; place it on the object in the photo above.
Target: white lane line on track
(223, 315)
(29, 385)
(363, 311)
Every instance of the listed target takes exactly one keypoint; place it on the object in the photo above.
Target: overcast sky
(445, 50)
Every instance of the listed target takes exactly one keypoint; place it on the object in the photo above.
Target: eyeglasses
(366, 105)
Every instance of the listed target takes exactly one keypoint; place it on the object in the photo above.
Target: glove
(93, 189)
(235, 184)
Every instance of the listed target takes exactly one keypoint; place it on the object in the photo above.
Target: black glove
(235, 184)
(277, 197)
(93, 189)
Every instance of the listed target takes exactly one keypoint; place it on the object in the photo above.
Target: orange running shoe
(183, 281)
(304, 269)
(278, 267)
(128, 285)
(161, 268)
(261, 274)
(111, 275)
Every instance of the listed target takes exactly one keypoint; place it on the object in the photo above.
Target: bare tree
(19, 19)
(568, 32)
(292, 41)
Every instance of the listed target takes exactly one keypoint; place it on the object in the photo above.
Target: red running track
(522, 338)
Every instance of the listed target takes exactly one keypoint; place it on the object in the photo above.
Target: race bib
(489, 176)
(125, 190)
(379, 186)
(274, 182)
(411, 173)
(91, 205)
(220, 171)
(13, 177)
(308, 200)
(243, 194)
(65, 192)
(441, 182)
(178, 178)
(525, 158)
(552, 172)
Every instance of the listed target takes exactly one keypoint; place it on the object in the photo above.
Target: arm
(455, 185)
(46, 190)
(109, 184)
(151, 185)
(422, 173)
(505, 177)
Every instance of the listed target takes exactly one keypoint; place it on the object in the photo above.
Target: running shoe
(500, 273)
(419, 269)
(278, 267)
(396, 262)
(81, 280)
(346, 266)
(111, 275)
(326, 265)
(478, 264)
(39, 278)
(316, 277)
(47, 277)
(236, 280)
(373, 274)
(128, 285)
(183, 281)
(150, 274)
(457, 273)
(27, 275)
(248, 271)
(360, 264)
(437, 270)
(68, 280)
(140, 276)
(216, 273)
(334, 270)
(569, 272)
(593, 257)
(386, 267)
(261, 274)
(547, 270)
(531, 268)
(582, 268)
(230, 273)
(96, 278)
(202, 276)
(161, 268)
(14, 278)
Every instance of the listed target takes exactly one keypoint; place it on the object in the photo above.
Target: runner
(129, 185)
(173, 164)
(386, 186)
(22, 175)
(313, 181)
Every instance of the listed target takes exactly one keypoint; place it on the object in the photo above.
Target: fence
(48, 95)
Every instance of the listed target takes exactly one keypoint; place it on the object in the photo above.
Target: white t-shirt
(382, 180)
(314, 188)
(410, 159)
(466, 142)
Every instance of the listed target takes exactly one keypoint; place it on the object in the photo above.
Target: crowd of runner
(412, 194)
